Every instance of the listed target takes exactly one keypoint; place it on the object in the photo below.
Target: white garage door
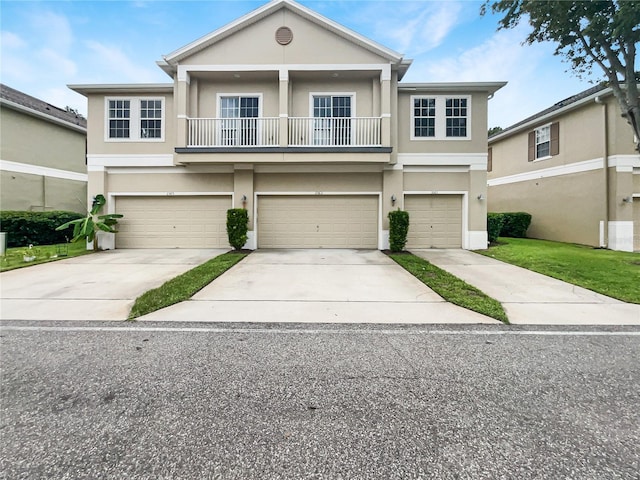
(435, 221)
(324, 221)
(636, 224)
(173, 222)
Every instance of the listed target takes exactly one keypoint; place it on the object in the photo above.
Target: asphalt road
(292, 401)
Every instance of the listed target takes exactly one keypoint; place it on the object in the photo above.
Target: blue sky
(46, 45)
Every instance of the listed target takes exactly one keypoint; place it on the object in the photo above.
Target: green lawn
(450, 287)
(615, 274)
(14, 257)
(184, 286)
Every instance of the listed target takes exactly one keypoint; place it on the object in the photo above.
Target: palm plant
(88, 227)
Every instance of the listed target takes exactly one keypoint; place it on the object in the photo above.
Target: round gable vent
(284, 35)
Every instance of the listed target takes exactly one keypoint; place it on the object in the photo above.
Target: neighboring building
(304, 123)
(42, 155)
(575, 169)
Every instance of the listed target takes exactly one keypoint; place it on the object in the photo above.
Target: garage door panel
(340, 221)
(173, 222)
(435, 221)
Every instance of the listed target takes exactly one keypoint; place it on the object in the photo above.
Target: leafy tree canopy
(600, 32)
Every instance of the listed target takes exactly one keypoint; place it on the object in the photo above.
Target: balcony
(264, 133)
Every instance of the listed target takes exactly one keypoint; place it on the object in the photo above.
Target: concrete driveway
(327, 286)
(100, 286)
(532, 298)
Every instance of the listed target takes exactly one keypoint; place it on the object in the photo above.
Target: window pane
(456, 117)
(119, 114)
(424, 114)
(150, 109)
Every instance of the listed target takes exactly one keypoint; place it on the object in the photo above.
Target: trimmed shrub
(36, 228)
(237, 221)
(515, 224)
(494, 225)
(398, 229)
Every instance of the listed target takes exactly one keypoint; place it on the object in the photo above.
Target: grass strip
(450, 287)
(612, 273)
(184, 286)
(14, 256)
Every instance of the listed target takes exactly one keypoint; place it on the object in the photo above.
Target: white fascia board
(488, 87)
(42, 116)
(549, 117)
(120, 88)
(8, 166)
(624, 163)
(130, 160)
(269, 8)
(572, 168)
(475, 161)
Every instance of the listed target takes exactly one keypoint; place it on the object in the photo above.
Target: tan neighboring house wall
(583, 190)
(297, 119)
(42, 155)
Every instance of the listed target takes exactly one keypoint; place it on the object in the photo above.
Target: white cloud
(11, 41)
(64, 66)
(114, 59)
(54, 30)
(63, 97)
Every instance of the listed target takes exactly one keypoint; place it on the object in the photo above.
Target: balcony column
(385, 105)
(284, 107)
(182, 105)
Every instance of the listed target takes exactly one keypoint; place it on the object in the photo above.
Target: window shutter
(555, 138)
(490, 159)
(532, 146)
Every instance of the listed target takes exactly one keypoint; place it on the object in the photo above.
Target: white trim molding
(8, 166)
(159, 160)
(624, 163)
(475, 161)
(477, 239)
(621, 236)
(578, 167)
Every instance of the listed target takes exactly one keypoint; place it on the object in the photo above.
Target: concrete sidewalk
(318, 286)
(100, 286)
(532, 298)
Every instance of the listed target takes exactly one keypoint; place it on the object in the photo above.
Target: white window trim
(535, 144)
(134, 120)
(441, 118)
(333, 94)
(219, 97)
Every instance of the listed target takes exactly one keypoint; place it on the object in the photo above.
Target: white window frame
(441, 118)
(134, 119)
(221, 95)
(535, 143)
(331, 94)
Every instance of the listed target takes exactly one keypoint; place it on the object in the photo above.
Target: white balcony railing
(233, 132)
(303, 132)
(335, 131)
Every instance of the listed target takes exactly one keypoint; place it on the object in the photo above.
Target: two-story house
(42, 155)
(575, 169)
(304, 123)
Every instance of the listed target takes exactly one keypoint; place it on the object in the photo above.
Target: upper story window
(134, 119)
(332, 119)
(440, 117)
(544, 142)
(239, 124)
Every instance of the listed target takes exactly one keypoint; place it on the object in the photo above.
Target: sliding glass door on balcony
(239, 121)
(332, 120)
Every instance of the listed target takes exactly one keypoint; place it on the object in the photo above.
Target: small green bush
(237, 221)
(494, 225)
(398, 229)
(515, 224)
(36, 228)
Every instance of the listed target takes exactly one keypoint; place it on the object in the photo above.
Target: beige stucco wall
(96, 143)
(477, 143)
(21, 191)
(572, 218)
(318, 182)
(256, 45)
(300, 101)
(171, 182)
(27, 139)
(436, 181)
(208, 91)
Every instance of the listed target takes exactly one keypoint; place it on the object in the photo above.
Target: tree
(88, 227)
(493, 130)
(602, 32)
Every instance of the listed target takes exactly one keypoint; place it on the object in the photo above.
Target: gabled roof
(562, 106)
(12, 98)
(266, 10)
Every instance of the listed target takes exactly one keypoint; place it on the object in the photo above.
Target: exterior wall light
(627, 199)
(393, 199)
(481, 197)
